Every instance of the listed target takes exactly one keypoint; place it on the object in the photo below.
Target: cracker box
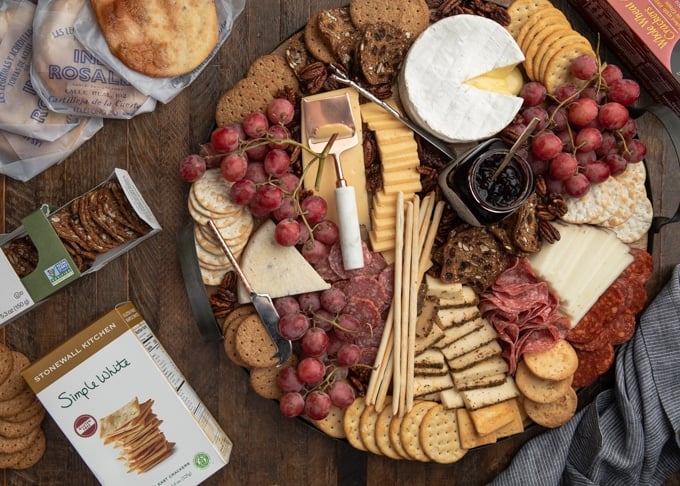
(119, 398)
(644, 34)
(54, 247)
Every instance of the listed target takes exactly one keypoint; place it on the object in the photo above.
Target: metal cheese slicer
(261, 302)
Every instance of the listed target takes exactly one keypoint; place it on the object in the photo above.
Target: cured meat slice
(622, 327)
(524, 311)
(596, 340)
(592, 364)
(600, 314)
(364, 310)
(386, 279)
(368, 287)
(642, 265)
(323, 268)
(335, 261)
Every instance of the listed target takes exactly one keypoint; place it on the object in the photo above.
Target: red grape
(276, 162)
(528, 114)
(304, 232)
(588, 139)
(311, 370)
(616, 163)
(584, 158)
(268, 197)
(596, 171)
(242, 192)
(224, 139)
(317, 405)
(566, 92)
(533, 93)
(288, 380)
(613, 115)
(593, 93)
(538, 166)
(611, 73)
(286, 305)
(554, 185)
(192, 167)
(255, 124)
(562, 167)
(584, 67)
(608, 144)
(314, 208)
(546, 145)
(624, 91)
(313, 250)
(326, 231)
(559, 118)
(342, 394)
(234, 166)
(315, 342)
(291, 404)
(287, 210)
(577, 185)
(348, 354)
(293, 326)
(309, 301)
(208, 152)
(567, 142)
(582, 111)
(257, 151)
(288, 182)
(278, 135)
(281, 111)
(287, 232)
(333, 300)
(629, 130)
(636, 151)
(346, 327)
(324, 320)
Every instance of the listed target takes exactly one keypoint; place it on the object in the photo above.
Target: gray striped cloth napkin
(629, 435)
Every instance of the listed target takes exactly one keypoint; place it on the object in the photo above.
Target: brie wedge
(459, 79)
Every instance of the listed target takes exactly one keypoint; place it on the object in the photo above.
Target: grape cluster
(324, 337)
(254, 156)
(584, 134)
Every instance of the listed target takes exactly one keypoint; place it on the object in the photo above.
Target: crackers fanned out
(157, 38)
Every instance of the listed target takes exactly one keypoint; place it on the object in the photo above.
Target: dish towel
(629, 435)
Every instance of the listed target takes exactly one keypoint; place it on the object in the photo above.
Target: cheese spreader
(261, 302)
(324, 118)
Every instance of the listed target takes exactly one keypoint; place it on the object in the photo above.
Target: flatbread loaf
(158, 38)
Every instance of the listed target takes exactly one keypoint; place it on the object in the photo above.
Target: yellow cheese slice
(352, 161)
(400, 176)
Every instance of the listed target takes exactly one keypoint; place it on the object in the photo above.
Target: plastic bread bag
(21, 109)
(70, 79)
(163, 89)
(23, 158)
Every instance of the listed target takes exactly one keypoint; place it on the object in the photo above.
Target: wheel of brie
(460, 79)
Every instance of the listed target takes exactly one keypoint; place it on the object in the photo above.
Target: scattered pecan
(428, 178)
(312, 71)
(359, 376)
(483, 8)
(541, 187)
(223, 301)
(548, 232)
(381, 91)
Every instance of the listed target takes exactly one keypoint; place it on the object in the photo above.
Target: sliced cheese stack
(581, 265)
(399, 158)
(459, 79)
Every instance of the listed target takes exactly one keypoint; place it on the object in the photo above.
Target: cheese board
(446, 407)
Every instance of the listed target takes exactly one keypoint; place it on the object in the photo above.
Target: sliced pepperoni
(603, 311)
(591, 325)
(642, 265)
(596, 341)
(636, 295)
(592, 364)
(622, 327)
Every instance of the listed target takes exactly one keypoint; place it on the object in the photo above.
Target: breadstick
(426, 208)
(412, 312)
(385, 384)
(406, 301)
(384, 350)
(429, 240)
(396, 302)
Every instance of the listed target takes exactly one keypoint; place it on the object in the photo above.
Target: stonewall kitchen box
(644, 34)
(126, 408)
(54, 247)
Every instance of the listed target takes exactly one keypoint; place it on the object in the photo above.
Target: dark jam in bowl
(505, 190)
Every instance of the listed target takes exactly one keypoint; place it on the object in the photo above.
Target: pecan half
(548, 232)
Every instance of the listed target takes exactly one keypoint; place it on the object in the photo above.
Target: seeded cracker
(410, 16)
(315, 41)
(336, 26)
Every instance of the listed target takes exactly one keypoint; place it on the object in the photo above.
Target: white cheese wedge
(274, 269)
(433, 83)
(581, 265)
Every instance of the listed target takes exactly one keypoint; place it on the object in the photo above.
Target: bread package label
(54, 247)
(119, 398)
(68, 77)
(22, 111)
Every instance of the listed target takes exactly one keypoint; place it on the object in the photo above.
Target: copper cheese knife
(261, 302)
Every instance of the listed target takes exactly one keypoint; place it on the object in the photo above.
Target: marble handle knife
(261, 302)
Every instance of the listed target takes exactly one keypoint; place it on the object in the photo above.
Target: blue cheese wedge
(274, 269)
(458, 79)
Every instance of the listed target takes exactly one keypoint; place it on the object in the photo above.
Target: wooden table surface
(268, 449)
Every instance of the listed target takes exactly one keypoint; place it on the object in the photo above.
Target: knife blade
(263, 304)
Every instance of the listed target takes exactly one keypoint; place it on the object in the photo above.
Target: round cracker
(608, 186)
(15, 430)
(6, 362)
(521, 11)
(558, 69)
(538, 389)
(367, 429)
(548, 15)
(16, 404)
(265, 381)
(212, 192)
(552, 414)
(410, 429)
(15, 383)
(383, 438)
(229, 328)
(439, 435)
(253, 343)
(550, 45)
(211, 276)
(236, 315)
(557, 363)
(531, 47)
(314, 41)
(586, 208)
(395, 436)
(332, 424)
(350, 423)
(15, 444)
(638, 224)
(620, 206)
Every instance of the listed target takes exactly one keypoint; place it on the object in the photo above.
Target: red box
(644, 34)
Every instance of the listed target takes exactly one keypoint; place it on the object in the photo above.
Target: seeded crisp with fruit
(477, 330)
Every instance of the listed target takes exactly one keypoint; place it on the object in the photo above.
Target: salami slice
(622, 327)
(323, 268)
(368, 287)
(386, 279)
(335, 261)
(592, 364)
(364, 310)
